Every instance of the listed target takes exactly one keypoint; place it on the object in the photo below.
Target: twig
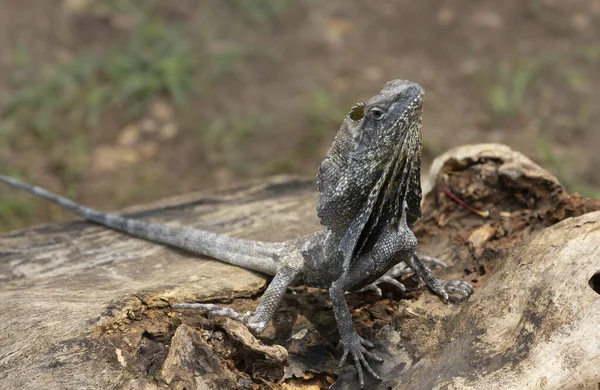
(446, 189)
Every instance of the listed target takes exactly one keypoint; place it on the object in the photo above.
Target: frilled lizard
(370, 197)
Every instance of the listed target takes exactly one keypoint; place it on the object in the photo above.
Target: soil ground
(118, 102)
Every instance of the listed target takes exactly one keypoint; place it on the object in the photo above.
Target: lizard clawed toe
(461, 289)
(452, 290)
(355, 345)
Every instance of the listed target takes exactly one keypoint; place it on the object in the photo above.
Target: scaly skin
(370, 197)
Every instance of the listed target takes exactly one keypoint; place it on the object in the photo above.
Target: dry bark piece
(481, 235)
(308, 355)
(191, 364)
(263, 361)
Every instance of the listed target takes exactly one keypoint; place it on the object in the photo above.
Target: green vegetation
(260, 11)
(13, 211)
(58, 107)
(157, 60)
(55, 108)
(508, 88)
(132, 8)
(506, 93)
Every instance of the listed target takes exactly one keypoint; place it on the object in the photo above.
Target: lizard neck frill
(399, 181)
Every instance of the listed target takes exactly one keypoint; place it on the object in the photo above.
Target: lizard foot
(355, 345)
(454, 290)
(213, 310)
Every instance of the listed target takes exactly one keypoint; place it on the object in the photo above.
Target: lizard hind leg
(257, 323)
(456, 289)
(389, 277)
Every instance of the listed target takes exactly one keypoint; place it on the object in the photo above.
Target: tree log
(84, 307)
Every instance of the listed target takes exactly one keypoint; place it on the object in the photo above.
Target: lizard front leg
(351, 341)
(393, 247)
(289, 270)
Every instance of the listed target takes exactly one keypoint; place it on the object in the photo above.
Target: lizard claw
(355, 345)
(458, 290)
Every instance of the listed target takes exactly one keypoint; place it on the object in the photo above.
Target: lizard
(369, 199)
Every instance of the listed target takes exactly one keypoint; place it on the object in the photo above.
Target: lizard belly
(323, 262)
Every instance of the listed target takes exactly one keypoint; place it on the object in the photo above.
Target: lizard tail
(254, 255)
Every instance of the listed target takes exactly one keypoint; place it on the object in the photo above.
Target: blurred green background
(117, 102)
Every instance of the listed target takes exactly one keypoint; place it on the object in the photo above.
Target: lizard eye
(376, 113)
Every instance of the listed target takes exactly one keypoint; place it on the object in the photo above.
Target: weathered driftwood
(87, 308)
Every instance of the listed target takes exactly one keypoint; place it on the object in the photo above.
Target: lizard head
(388, 120)
(374, 162)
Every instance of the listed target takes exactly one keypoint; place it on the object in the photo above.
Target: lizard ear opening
(357, 112)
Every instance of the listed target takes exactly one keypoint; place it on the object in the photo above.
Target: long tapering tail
(254, 255)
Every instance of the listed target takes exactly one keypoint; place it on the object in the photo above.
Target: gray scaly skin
(370, 197)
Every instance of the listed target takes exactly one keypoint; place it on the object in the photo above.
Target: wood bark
(83, 307)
